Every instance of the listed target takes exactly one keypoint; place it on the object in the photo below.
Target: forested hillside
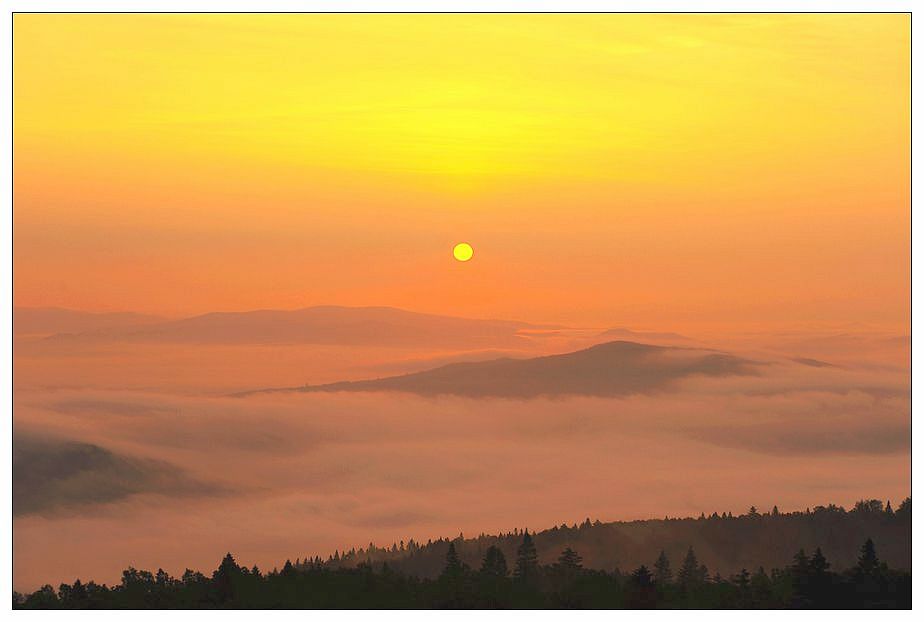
(822, 558)
(725, 543)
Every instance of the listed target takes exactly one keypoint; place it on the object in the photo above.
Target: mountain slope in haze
(329, 325)
(53, 476)
(641, 336)
(54, 320)
(606, 370)
(725, 543)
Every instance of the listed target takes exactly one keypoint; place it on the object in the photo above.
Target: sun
(462, 251)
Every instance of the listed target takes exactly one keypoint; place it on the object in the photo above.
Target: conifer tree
(689, 571)
(224, 576)
(868, 563)
(453, 565)
(494, 563)
(702, 574)
(818, 564)
(662, 566)
(641, 577)
(800, 565)
(569, 560)
(527, 566)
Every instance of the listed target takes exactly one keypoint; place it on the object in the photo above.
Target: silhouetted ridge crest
(381, 326)
(615, 368)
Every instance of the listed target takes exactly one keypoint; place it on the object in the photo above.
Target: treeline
(725, 542)
(806, 583)
(663, 581)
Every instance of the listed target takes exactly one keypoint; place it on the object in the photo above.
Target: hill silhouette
(642, 336)
(52, 475)
(724, 542)
(53, 320)
(605, 370)
(383, 326)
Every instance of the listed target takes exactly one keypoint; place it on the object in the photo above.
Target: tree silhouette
(761, 589)
(800, 564)
(494, 563)
(73, 596)
(224, 577)
(818, 565)
(527, 565)
(868, 506)
(690, 570)
(641, 577)
(703, 574)
(453, 566)
(43, 598)
(569, 560)
(868, 562)
(642, 592)
(662, 566)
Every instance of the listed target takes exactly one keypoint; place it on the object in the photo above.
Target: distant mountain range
(611, 369)
(375, 326)
(47, 321)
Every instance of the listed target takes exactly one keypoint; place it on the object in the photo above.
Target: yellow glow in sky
(700, 166)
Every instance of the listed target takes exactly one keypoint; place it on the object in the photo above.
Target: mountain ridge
(725, 543)
(321, 324)
(615, 368)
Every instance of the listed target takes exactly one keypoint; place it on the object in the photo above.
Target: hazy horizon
(173, 450)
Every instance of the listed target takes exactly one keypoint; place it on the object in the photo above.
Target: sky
(682, 170)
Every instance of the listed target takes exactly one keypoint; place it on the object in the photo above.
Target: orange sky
(605, 168)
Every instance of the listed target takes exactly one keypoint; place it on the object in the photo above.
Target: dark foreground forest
(833, 559)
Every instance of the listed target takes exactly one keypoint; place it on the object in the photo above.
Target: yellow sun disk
(462, 252)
